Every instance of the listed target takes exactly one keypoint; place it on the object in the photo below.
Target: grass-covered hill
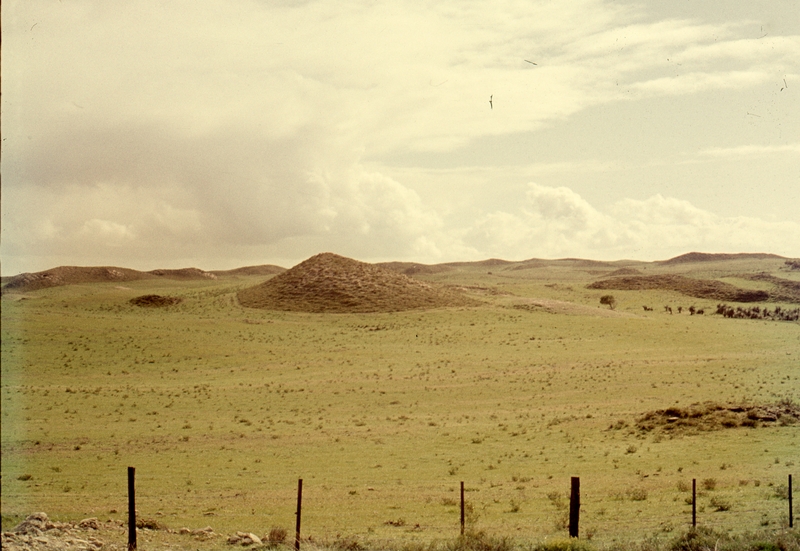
(527, 381)
(331, 283)
(79, 275)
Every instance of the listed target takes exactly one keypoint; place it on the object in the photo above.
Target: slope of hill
(183, 273)
(75, 275)
(698, 288)
(261, 270)
(331, 283)
(71, 275)
(715, 257)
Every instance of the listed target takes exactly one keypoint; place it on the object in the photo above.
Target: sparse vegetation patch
(711, 416)
(698, 288)
(154, 301)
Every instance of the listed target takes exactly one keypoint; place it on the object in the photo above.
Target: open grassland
(222, 408)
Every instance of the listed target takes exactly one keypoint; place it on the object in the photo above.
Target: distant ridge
(715, 257)
(335, 284)
(261, 270)
(183, 273)
(71, 275)
(75, 275)
(698, 288)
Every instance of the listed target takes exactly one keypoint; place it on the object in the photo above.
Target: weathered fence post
(462, 507)
(299, 505)
(131, 509)
(791, 513)
(574, 506)
(694, 503)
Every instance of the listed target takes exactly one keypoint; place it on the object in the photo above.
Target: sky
(167, 134)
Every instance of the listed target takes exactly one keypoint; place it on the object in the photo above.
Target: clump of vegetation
(571, 544)
(720, 504)
(709, 484)
(710, 416)
(480, 541)
(609, 301)
(155, 301)
(276, 536)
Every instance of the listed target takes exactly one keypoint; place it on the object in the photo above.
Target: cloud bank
(165, 135)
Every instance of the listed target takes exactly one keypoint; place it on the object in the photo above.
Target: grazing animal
(691, 310)
(680, 309)
(700, 312)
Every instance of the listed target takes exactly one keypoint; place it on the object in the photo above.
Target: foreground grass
(221, 409)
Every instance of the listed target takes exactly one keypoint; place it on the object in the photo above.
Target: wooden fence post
(791, 513)
(574, 506)
(299, 506)
(694, 503)
(462, 507)
(131, 509)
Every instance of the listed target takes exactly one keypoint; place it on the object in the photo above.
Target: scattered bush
(608, 300)
(479, 541)
(709, 484)
(276, 536)
(637, 494)
(720, 503)
(571, 544)
(697, 539)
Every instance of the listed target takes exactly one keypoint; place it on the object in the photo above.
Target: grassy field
(222, 408)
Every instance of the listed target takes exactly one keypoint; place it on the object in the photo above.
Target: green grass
(221, 409)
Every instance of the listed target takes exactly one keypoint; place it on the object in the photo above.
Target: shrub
(348, 543)
(637, 494)
(571, 544)
(696, 539)
(276, 536)
(781, 491)
(608, 300)
(479, 541)
(720, 503)
(709, 483)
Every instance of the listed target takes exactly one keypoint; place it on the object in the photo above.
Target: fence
(573, 525)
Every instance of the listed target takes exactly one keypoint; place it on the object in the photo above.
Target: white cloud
(177, 132)
(556, 222)
(749, 150)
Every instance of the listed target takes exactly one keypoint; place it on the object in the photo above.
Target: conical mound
(331, 283)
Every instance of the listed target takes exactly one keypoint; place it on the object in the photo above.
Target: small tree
(608, 299)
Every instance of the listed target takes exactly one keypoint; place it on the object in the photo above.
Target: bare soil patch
(711, 416)
(698, 288)
(155, 301)
(331, 283)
